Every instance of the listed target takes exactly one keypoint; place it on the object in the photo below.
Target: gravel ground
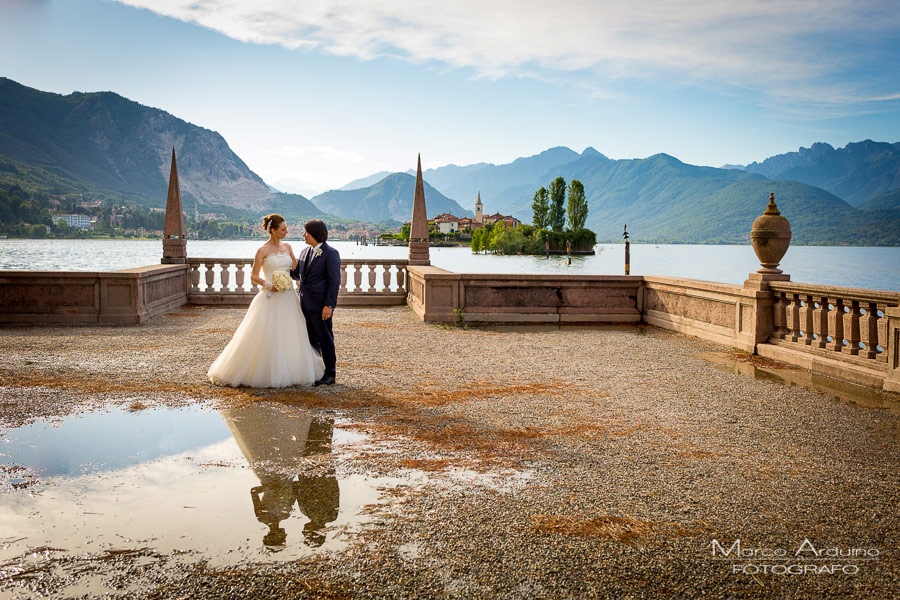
(611, 460)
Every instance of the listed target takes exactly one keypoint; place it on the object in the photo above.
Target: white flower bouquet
(281, 281)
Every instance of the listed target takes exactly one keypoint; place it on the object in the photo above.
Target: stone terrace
(635, 453)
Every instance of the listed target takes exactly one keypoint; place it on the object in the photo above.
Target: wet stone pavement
(618, 462)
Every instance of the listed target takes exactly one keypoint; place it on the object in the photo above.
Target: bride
(270, 347)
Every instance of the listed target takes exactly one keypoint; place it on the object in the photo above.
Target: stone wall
(720, 312)
(437, 295)
(129, 296)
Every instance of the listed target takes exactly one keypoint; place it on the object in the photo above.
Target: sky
(312, 95)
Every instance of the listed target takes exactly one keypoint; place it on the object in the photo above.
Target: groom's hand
(326, 313)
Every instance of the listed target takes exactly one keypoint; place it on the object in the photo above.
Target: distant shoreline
(453, 245)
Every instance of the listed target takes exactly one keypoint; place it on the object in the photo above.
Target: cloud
(326, 153)
(307, 170)
(784, 49)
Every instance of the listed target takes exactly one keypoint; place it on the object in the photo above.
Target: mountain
(503, 184)
(888, 201)
(389, 199)
(660, 198)
(858, 172)
(357, 184)
(102, 141)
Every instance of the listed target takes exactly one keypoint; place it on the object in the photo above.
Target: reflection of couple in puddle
(275, 444)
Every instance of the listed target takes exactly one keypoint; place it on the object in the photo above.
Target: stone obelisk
(174, 243)
(418, 229)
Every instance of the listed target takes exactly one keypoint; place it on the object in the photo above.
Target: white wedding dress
(270, 348)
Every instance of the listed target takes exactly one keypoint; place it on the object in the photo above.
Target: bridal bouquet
(281, 281)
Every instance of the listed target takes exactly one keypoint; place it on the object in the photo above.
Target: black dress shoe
(326, 380)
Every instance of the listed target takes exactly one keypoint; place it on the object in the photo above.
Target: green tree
(478, 240)
(404, 233)
(577, 208)
(541, 209)
(558, 204)
(39, 231)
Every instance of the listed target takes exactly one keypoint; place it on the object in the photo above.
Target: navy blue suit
(319, 285)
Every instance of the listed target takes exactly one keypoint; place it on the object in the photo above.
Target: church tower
(479, 212)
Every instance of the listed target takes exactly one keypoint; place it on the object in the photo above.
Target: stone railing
(437, 295)
(721, 312)
(841, 332)
(364, 282)
(124, 297)
(846, 324)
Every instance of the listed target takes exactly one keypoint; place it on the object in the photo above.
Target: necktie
(309, 256)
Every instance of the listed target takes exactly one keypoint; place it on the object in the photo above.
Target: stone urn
(770, 236)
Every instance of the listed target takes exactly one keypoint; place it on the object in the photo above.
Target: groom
(319, 273)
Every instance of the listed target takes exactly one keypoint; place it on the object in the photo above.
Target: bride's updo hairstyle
(272, 221)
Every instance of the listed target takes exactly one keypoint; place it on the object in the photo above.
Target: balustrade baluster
(807, 320)
(837, 330)
(870, 331)
(225, 276)
(779, 316)
(386, 278)
(371, 278)
(882, 335)
(195, 278)
(793, 317)
(357, 278)
(239, 279)
(210, 277)
(821, 323)
(853, 338)
(343, 277)
(401, 278)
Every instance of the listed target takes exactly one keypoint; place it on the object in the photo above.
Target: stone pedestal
(419, 253)
(763, 320)
(770, 237)
(174, 251)
(892, 381)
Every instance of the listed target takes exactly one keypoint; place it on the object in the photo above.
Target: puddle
(228, 486)
(836, 388)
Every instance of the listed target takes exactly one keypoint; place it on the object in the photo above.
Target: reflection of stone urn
(770, 236)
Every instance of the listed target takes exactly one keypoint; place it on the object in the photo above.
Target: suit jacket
(320, 282)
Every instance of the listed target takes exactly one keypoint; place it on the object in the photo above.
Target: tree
(541, 209)
(478, 240)
(577, 208)
(558, 204)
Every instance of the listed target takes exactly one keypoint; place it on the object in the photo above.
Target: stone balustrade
(364, 282)
(123, 297)
(845, 322)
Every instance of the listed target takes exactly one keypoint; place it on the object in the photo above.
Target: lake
(872, 268)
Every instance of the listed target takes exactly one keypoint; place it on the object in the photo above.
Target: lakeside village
(75, 216)
(78, 216)
(556, 226)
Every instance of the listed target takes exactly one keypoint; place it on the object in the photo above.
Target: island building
(448, 223)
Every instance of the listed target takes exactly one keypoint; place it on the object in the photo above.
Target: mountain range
(102, 142)
(390, 199)
(660, 198)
